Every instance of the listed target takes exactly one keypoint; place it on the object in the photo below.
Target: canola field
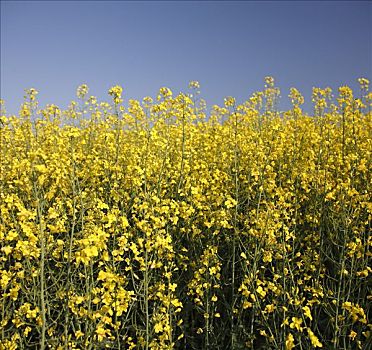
(161, 226)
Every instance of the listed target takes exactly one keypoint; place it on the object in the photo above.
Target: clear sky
(228, 46)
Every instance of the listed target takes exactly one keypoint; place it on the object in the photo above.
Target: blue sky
(228, 46)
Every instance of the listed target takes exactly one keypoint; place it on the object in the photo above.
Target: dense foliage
(156, 226)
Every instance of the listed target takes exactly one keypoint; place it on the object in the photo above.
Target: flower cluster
(157, 226)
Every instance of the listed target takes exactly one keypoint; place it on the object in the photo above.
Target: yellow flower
(102, 333)
(82, 91)
(194, 84)
(116, 92)
(79, 334)
(307, 312)
(27, 330)
(25, 111)
(165, 93)
(314, 339)
(270, 308)
(213, 270)
(261, 292)
(158, 327)
(7, 249)
(364, 83)
(229, 101)
(269, 81)
(289, 342)
(352, 335)
(296, 323)
(230, 203)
